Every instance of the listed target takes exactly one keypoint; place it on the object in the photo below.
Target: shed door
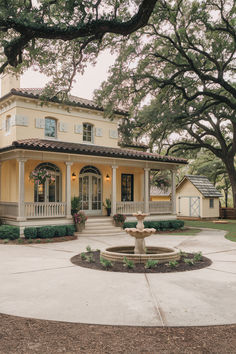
(194, 206)
(189, 206)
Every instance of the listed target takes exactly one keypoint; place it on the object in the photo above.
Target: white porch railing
(44, 210)
(163, 207)
(129, 207)
(9, 209)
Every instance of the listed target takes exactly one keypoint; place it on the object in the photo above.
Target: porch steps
(100, 226)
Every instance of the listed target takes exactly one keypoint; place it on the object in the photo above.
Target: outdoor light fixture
(73, 176)
(107, 177)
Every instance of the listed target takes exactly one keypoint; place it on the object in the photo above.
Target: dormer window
(50, 127)
(88, 132)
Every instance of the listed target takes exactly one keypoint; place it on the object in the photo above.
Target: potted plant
(119, 219)
(76, 205)
(107, 206)
(79, 220)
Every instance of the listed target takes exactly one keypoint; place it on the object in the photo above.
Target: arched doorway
(50, 190)
(90, 190)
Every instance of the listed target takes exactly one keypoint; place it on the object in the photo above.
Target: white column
(113, 191)
(173, 191)
(21, 189)
(68, 189)
(146, 190)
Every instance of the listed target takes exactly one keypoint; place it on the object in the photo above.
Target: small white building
(196, 197)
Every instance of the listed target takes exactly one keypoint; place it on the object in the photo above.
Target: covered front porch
(125, 181)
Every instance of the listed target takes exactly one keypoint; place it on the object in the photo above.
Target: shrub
(128, 264)
(70, 229)
(45, 232)
(105, 263)
(30, 232)
(60, 231)
(83, 256)
(88, 249)
(119, 218)
(151, 263)
(189, 261)
(160, 225)
(76, 205)
(173, 264)
(9, 232)
(197, 257)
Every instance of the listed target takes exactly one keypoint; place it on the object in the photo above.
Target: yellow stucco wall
(210, 212)
(71, 117)
(9, 178)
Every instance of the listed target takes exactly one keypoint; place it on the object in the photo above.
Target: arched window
(50, 190)
(90, 190)
(50, 127)
(88, 132)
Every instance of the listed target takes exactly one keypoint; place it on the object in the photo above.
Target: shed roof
(203, 185)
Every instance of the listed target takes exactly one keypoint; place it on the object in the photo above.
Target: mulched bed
(138, 268)
(23, 241)
(29, 336)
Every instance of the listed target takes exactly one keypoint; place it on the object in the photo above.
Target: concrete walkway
(39, 281)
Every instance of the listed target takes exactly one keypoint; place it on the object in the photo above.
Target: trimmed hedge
(49, 231)
(161, 225)
(9, 232)
(30, 232)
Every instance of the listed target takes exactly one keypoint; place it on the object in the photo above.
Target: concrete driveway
(39, 281)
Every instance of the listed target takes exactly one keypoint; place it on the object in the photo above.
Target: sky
(85, 84)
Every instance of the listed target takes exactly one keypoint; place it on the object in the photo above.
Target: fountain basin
(161, 254)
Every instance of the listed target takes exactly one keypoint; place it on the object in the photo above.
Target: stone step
(99, 227)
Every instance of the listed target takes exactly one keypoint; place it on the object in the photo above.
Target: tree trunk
(229, 164)
(226, 198)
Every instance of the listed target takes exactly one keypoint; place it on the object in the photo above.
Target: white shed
(197, 197)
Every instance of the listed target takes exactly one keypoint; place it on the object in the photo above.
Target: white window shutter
(113, 133)
(78, 129)
(39, 123)
(13, 121)
(63, 127)
(98, 131)
(21, 120)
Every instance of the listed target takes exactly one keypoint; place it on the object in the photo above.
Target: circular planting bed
(187, 261)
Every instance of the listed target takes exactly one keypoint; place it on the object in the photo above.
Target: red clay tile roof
(84, 149)
(73, 100)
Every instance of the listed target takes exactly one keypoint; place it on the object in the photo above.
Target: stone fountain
(140, 253)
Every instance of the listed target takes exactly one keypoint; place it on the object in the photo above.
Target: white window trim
(92, 134)
(51, 137)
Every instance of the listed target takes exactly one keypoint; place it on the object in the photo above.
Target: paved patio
(39, 281)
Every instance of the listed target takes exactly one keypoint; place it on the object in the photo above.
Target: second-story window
(87, 132)
(50, 127)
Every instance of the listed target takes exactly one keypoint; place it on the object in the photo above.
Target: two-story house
(79, 148)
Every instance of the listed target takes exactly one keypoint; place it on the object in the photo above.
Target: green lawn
(189, 232)
(230, 227)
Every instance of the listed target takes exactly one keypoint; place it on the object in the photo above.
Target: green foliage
(90, 258)
(70, 230)
(30, 232)
(88, 249)
(9, 232)
(158, 225)
(76, 205)
(105, 263)
(151, 263)
(83, 256)
(107, 203)
(45, 232)
(173, 264)
(6, 240)
(197, 257)
(183, 254)
(128, 263)
(189, 261)
(60, 231)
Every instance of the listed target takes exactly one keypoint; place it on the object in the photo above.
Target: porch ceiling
(92, 150)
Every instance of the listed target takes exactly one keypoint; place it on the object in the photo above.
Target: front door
(90, 190)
